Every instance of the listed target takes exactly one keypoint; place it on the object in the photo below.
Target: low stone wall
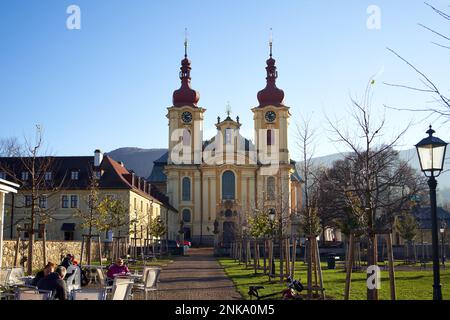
(55, 250)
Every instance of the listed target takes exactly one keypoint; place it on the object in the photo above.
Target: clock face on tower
(270, 116)
(186, 117)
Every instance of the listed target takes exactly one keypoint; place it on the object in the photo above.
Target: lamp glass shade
(431, 157)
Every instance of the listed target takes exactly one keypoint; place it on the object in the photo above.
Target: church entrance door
(228, 232)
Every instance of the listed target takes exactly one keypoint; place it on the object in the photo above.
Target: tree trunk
(349, 267)
(265, 256)
(288, 257)
(309, 266)
(322, 292)
(294, 257)
(44, 245)
(88, 250)
(16, 253)
(255, 249)
(100, 250)
(30, 251)
(281, 259)
(391, 266)
(372, 294)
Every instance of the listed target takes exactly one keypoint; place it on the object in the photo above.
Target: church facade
(217, 183)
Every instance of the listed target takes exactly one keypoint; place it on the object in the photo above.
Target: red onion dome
(185, 95)
(271, 95)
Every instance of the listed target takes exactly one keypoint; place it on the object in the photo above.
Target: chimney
(121, 164)
(132, 178)
(98, 158)
(138, 182)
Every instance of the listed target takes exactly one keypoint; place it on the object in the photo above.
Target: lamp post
(272, 219)
(431, 152)
(442, 230)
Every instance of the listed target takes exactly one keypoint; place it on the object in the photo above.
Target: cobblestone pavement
(198, 276)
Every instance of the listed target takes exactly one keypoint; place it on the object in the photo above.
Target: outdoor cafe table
(135, 276)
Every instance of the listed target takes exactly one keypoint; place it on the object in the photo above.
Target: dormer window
(74, 175)
(48, 176)
(25, 176)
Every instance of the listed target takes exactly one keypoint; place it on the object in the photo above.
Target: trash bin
(331, 262)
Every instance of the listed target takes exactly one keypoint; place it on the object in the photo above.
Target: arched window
(228, 136)
(186, 192)
(228, 185)
(270, 137)
(186, 137)
(187, 215)
(270, 188)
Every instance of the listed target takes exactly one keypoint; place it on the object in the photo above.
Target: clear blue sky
(108, 85)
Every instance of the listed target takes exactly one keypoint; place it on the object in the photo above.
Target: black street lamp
(431, 152)
(272, 219)
(442, 230)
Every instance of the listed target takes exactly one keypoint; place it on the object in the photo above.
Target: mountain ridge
(141, 162)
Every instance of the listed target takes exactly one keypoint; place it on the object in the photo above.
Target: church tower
(271, 114)
(271, 124)
(185, 120)
(185, 153)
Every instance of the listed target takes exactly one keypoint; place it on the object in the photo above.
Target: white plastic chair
(16, 276)
(30, 294)
(89, 294)
(4, 276)
(122, 288)
(73, 282)
(151, 278)
(101, 277)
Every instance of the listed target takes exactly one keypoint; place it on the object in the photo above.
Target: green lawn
(410, 284)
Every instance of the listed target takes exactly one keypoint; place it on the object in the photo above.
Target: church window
(186, 192)
(228, 136)
(186, 137)
(186, 215)
(270, 137)
(228, 185)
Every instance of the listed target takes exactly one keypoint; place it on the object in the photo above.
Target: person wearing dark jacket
(54, 282)
(49, 268)
(67, 261)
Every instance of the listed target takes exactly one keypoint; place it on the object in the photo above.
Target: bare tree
(34, 170)
(10, 147)
(440, 107)
(310, 221)
(378, 181)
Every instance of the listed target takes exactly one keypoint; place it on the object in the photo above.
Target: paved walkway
(198, 276)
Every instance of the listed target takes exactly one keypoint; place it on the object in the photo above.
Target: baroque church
(217, 183)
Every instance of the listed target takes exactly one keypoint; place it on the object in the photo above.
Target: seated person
(54, 282)
(117, 268)
(49, 268)
(67, 261)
